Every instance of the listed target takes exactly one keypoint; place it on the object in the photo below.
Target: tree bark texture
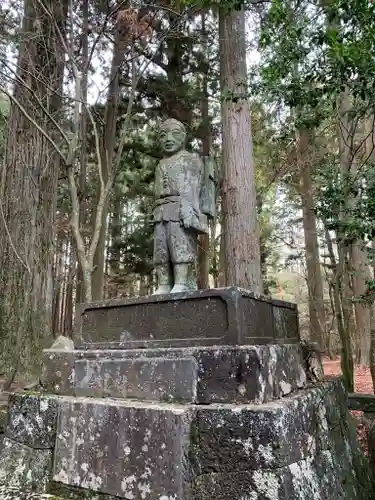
(108, 154)
(83, 153)
(357, 258)
(28, 189)
(343, 312)
(204, 239)
(360, 273)
(314, 272)
(240, 228)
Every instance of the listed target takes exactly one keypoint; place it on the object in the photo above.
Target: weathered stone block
(63, 343)
(150, 379)
(228, 438)
(263, 436)
(369, 421)
(298, 448)
(32, 420)
(227, 316)
(285, 321)
(324, 477)
(58, 371)
(362, 402)
(24, 467)
(326, 461)
(123, 448)
(73, 493)
(225, 374)
(254, 374)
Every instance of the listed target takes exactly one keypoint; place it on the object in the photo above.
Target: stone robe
(177, 189)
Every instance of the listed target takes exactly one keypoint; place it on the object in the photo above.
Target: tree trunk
(345, 137)
(28, 190)
(116, 225)
(56, 308)
(68, 306)
(221, 272)
(214, 257)
(204, 239)
(115, 230)
(331, 345)
(108, 153)
(345, 140)
(347, 363)
(263, 248)
(314, 273)
(342, 311)
(360, 273)
(240, 228)
(372, 358)
(370, 153)
(58, 283)
(358, 261)
(83, 155)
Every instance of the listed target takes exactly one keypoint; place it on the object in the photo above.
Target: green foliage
(311, 53)
(334, 191)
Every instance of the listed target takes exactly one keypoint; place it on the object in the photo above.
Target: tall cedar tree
(240, 229)
(28, 186)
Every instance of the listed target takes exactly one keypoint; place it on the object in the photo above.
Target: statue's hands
(186, 216)
(187, 221)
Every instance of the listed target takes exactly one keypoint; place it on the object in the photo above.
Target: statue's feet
(163, 290)
(178, 288)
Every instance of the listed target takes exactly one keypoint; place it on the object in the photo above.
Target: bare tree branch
(38, 100)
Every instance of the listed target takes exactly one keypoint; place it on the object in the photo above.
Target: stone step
(295, 449)
(222, 374)
(301, 447)
(150, 379)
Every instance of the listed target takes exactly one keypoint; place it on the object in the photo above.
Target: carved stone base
(185, 397)
(299, 448)
(224, 374)
(225, 316)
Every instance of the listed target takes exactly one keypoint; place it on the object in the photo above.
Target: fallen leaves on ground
(362, 384)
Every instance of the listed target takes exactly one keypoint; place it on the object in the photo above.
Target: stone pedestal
(193, 375)
(186, 397)
(224, 316)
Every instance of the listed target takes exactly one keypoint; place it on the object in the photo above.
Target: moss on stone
(8, 492)
(3, 420)
(31, 393)
(194, 434)
(73, 493)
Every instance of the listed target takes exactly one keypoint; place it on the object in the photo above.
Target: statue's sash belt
(167, 209)
(167, 199)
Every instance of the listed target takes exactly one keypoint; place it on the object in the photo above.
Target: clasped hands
(186, 217)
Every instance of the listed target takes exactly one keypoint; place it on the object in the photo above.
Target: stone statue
(182, 208)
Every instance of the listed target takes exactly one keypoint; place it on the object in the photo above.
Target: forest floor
(362, 383)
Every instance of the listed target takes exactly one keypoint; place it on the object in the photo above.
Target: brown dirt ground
(363, 384)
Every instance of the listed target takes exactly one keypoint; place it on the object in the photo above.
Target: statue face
(172, 136)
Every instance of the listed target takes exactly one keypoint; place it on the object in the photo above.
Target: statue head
(172, 136)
